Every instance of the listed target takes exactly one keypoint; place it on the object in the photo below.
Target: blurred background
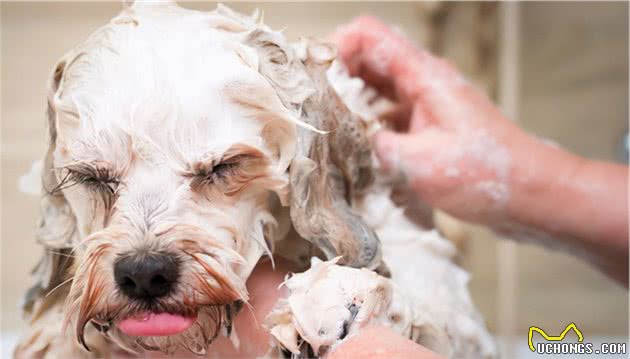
(560, 69)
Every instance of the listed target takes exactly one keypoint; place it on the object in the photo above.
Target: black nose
(146, 276)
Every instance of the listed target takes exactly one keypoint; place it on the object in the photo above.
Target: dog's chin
(170, 331)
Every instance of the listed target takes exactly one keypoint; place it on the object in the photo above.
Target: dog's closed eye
(222, 169)
(100, 184)
(229, 174)
(208, 174)
(96, 177)
(227, 166)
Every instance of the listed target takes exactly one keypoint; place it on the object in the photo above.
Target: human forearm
(574, 203)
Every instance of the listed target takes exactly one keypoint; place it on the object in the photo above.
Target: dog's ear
(57, 225)
(328, 171)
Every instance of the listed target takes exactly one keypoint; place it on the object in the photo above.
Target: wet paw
(326, 304)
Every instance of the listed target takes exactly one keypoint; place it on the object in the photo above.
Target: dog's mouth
(191, 327)
(156, 324)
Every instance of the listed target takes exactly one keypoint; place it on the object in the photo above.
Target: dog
(183, 147)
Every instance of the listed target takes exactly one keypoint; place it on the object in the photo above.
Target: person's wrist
(537, 181)
(571, 203)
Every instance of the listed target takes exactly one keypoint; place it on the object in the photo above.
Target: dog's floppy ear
(328, 171)
(57, 225)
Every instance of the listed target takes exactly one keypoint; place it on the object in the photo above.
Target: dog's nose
(146, 276)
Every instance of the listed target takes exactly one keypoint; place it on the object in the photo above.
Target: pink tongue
(155, 324)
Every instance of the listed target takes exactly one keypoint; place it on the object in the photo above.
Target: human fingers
(376, 342)
(387, 60)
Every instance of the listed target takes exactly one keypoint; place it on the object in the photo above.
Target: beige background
(574, 87)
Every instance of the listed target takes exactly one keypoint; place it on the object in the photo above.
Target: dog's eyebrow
(109, 149)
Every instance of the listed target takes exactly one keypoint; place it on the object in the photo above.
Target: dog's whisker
(59, 286)
(73, 250)
(70, 255)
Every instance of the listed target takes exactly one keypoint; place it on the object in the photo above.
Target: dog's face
(168, 146)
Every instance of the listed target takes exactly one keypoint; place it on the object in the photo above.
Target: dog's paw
(326, 304)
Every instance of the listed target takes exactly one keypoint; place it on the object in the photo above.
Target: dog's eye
(238, 167)
(219, 171)
(206, 175)
(105, 184)
(96, 179)
(224, 168)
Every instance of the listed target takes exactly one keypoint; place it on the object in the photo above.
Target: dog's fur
(209, 138)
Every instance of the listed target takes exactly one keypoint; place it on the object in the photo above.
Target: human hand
(461, 155)
(452, 143)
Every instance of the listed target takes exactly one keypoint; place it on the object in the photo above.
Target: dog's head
(172, 133)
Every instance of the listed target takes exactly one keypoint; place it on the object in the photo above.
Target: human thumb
(387, 145)
(409, 154)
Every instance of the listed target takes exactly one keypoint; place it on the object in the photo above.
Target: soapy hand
(462, 155)
(450, 141)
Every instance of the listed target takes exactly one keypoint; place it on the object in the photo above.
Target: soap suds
(498, 192)
(451, 172)
(31, 182)
(483, 148)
